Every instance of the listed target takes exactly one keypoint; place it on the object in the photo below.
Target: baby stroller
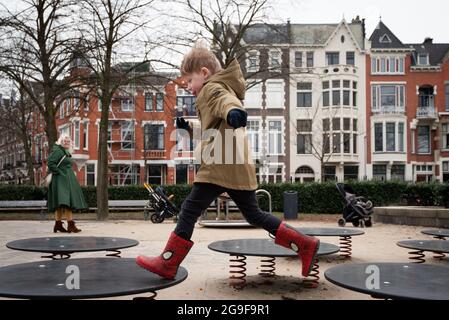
(358, 210)
(161, 204)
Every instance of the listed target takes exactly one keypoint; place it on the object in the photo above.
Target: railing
(156, 154)
(389, 110)
(426, 113)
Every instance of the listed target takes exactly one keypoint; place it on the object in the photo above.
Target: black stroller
(161, 204)
(358, 210)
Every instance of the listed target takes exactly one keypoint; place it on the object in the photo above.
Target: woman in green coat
(64, 191)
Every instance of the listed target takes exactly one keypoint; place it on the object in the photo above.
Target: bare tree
(16, 119)
(110, 39)
(38, 48)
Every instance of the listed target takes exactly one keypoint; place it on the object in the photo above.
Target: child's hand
(181, 123)
(237, 118)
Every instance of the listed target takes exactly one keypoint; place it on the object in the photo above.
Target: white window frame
(253, 97)
(400, 98)
(253, 53)
(76, 134)
(95, 173)
(271, 133)
(445, 136)
(275, 94)
(128, 104)
(252, 133)
(429, 140)
(418, 60)
(86, 135)
(270, 60)
(376, 65)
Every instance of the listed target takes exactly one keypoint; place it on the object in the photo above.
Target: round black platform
(397, 280)
(263, 248)
(331, 232)
(443, 233)
(58, 245)
(426, 245)
(99, 278)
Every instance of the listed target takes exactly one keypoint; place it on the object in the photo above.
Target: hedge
(312, 198)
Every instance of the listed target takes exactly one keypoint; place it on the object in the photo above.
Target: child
(219, 94)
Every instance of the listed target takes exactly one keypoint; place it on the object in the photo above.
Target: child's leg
(198, 200)
(247, 203)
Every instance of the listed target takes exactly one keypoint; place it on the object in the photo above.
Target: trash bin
(290, 205)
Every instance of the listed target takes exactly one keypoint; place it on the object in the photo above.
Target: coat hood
(232, 76)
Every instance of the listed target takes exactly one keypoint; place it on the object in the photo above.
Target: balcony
(389, 110)
(428, 112)
(156, 154)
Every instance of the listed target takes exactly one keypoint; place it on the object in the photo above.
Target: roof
(299, 34)
(436, 51)
(383, 38)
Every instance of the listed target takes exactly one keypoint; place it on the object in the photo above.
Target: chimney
(428, 40)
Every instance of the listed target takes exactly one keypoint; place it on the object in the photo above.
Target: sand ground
(208, 270)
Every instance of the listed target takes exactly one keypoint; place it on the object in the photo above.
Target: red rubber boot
(306, 246)
(166, 265)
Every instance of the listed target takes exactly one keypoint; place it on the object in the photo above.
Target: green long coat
(64, 189)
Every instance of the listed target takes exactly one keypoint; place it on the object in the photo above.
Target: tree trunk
(50, 130)
(102, 177)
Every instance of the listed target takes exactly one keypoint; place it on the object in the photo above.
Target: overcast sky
(410, 20)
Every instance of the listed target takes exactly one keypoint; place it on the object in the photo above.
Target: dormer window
(275, 60)
(252, 63)
(423, 59)
(385, 39)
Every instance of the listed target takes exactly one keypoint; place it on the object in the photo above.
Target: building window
(401, 136)
(298, 59)
(326, 96)
(423, 139)
(253, 96)
(310, 59)
(76, 134)
(336, 93)
(275, 94)
(154, 137)
(351, 173)
(347, 143)
(446, 171)
(387, 65)
(388, 98)
(275, 60)
(346, 97)
(127, 133)
(350, 58)
(330, 173)
(445, 136)
(186, 105)
(182, 171)
(336, 143)
(155, 175)
(275, 174)
(86, 136)
(391, 136)
(304, 95)
(447, 97)
(253, 129)
(124, 174)
(275, 138)
(379, 172)
(304, 143)
(128, 104)
(423, 59)
(398, 172)
(354, 143)
(378, 137)
(149, 102)
(332, 58)
(90, 174)
(159, 102)
(253, 61)
(336, 124)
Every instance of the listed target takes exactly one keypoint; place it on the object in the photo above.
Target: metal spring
(346, 247)
(152, 297)
(417, 256)
(439, 255)
(312, 281)
(54, 256)
(268, 267)
(115, 253)
(237, 266)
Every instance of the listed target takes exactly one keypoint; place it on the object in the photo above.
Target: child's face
(195, 80)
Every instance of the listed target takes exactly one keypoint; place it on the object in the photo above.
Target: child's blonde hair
(200, 57)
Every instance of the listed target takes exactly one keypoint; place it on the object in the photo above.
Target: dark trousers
(203, 194)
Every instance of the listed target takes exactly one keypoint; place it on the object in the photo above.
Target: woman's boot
(72, 227)
(59, 227)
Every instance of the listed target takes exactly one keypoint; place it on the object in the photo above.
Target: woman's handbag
(47, 180)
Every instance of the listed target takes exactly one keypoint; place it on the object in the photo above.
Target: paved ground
(208, 271)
